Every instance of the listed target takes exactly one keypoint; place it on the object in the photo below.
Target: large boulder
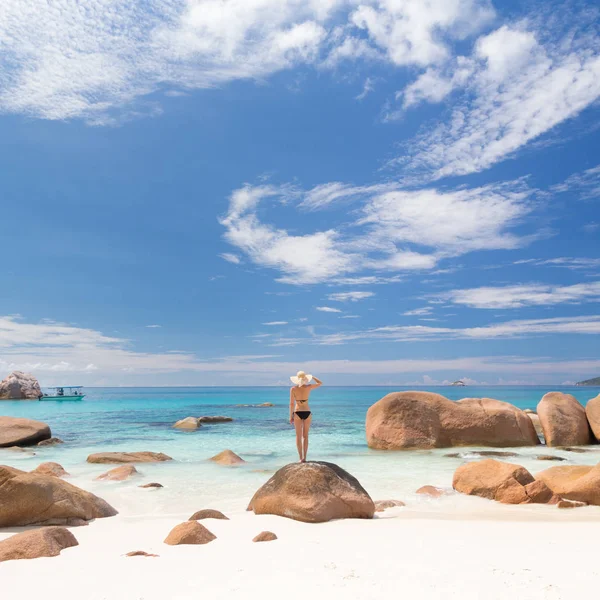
(118, 473)
(592, 411)
(580, 483)
(116, 458)
(228, 458)
(36, 499)
(500, 481)
(48, 541)
(426, 420)
(190, 532)
(208, 513)
(20, 386)
(563, 420)
(51, 468)
(313, 492)
(189, 423)
(22, 432)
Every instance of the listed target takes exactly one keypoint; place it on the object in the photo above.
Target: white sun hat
(301, 378)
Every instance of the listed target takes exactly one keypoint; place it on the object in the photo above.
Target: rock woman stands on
(300, 413)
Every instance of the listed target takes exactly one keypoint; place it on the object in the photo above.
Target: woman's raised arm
(319, 382)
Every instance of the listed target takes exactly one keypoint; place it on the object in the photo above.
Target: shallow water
(132, 419)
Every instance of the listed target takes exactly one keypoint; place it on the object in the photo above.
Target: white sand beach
(400, 552)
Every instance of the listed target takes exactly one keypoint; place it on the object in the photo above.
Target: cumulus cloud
(393, 229)
(328, 309)
(520, 81)
(518, 296)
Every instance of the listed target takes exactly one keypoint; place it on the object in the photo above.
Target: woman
(300, 415)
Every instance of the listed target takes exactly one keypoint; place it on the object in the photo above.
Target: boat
(64, 392)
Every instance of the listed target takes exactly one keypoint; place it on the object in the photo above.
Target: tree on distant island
(590, 382)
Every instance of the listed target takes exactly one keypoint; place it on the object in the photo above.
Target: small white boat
(65, 392)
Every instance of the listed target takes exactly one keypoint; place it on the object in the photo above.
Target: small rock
(118, 473)
(152, 485)
(208, 513)
(453, 455)
(53, 441)
(265, 536)
(430, 490)
(215, 419)
(51, 468)
(549, 457)
(140, 553)
(48, 541)
(227, 457)
(500, 453)
(381, 505)
(570, 504)
(189, 423)
(190, 532)
(576, 450)
(127, 457)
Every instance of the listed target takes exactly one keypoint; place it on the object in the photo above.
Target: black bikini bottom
(303, 414)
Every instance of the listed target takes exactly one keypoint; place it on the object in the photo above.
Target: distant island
(594, 381)
(459, 383)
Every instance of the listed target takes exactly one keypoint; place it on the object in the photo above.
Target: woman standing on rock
(300, 414)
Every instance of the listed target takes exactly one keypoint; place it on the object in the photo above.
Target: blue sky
(377, 191)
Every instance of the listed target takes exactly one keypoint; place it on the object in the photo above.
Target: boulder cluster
(20, 386)
(405, 420)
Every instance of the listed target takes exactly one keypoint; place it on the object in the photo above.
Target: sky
(222, 192)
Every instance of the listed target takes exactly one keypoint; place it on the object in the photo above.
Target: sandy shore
(399, 553)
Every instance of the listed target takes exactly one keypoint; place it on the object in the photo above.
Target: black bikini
(303, 414)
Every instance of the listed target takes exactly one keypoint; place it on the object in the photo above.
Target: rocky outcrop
(35, 499)
(48, 541)
(53, 441)
(592, 412)
(381, 505)
(51, 468)
(500, 481)
(190, 532)
(430, 490)
(228, 458)
(563, 420)
(115, 458)
(20, 386)
(579, 483)
(265, 536)
(208, 513)
(403, 420)
(22, 432)
(118, 473)
(216, 419)
(189, 423)
(153, 485)
(313, 492)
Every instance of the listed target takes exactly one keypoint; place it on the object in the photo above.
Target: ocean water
(136, 419)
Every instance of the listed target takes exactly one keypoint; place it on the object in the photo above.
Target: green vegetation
(595, 381)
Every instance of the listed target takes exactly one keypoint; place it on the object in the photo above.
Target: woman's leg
(298, 427)
(305, 431)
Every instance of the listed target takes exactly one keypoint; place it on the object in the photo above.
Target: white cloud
(153, 326)
(232, 258)
(65, 59)
(350, 296)
(517, 86)
(393, 230)
(270, 323)
(328, 309)
(417, 312)
(585, 185)
(566, 262)
(368, 87)
(350, 317)
(48, 348)
(517, 296)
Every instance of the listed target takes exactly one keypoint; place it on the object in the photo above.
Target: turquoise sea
(134, 419)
